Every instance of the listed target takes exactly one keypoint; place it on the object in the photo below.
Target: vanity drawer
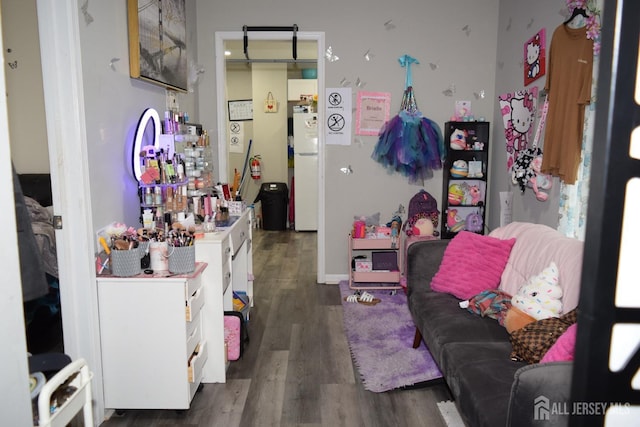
(196, 363)
(226, 249)
(194, 338)
(193, 284)
(191, 326)
(226, 275)
(239, 233)
(194, 305)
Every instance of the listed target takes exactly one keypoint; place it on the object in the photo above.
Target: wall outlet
(172, 100)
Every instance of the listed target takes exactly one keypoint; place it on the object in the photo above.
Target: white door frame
(221, 90)
(58, 25)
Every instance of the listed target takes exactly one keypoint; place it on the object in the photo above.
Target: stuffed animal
(539, 298)
(454, 222)
(423, 227)
(473, 222)
(539, 181)
(458, 140)
(474, 192)
(422, 206)
(459, 169)
(456, 194)
(516, 319)
(526, 173)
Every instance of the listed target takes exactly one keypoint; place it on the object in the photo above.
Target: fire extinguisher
(255, 167)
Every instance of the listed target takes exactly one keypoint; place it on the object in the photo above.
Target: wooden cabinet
(153, 348)
(229, 254)
(370, 278)
(464, 189)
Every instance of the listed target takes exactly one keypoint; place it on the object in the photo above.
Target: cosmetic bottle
(159, 218)
(158, 195)
(148, 196)
(168, 123)
(147, 219)
(169, 201)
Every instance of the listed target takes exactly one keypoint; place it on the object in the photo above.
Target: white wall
(239, 86)
(430, 31)
(271, 139)
(25, 103)
(16, 407)
(114, 104)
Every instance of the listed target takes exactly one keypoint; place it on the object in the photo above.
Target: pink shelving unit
(382, 279)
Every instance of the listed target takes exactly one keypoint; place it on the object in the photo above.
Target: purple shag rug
(381, 338)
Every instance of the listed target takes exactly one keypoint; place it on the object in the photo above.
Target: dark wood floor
(297, 369)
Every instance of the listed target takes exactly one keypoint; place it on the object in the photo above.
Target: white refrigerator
(305, 149)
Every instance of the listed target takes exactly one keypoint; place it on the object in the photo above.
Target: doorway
(272, 50)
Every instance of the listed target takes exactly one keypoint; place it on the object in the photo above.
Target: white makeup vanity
(162, 336)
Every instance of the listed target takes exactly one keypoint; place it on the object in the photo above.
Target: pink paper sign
(372, 112)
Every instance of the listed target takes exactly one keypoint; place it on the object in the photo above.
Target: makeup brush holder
(126, 263)
(182, 259)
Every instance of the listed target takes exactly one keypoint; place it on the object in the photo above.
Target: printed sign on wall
(338, 116)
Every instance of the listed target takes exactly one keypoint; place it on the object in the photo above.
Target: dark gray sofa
(473, 354)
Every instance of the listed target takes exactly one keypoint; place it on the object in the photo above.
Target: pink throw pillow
(564, 347)
(471, 264)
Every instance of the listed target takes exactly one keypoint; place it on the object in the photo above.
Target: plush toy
(456, 194)
(458, 140)
(422, 206)
(423, 227)
(539, 298)
(474, 192)
(454, 222)
(473, 222)
(526, 172)
(459, 169)
(516, 319)
(539, 181)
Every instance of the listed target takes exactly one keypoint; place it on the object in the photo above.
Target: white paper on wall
(338, 115)
(236, 137)
(506, 212)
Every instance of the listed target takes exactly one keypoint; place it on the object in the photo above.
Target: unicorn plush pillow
(540, 297)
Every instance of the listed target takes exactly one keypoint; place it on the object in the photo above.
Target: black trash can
(274, 197)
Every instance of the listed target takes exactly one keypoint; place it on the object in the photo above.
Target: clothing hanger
(576, 12)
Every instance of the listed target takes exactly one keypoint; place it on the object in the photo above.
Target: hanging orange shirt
(569, 87)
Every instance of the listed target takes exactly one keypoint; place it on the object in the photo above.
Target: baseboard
(334, 279)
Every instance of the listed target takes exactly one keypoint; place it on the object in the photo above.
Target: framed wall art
(535, 58)
(158, 42)
(240, 110)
